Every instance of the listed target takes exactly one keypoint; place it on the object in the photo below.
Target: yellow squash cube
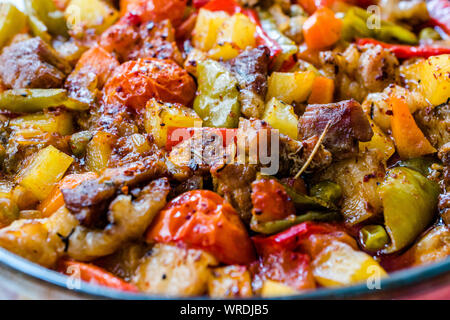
(290, 86)
(48, 122)
(434, 76)
(238, 30)
(281, 116)
(98, 151)
(206, 28)
(45, 170)
(160, 117)
(339, 265)
(90, 14)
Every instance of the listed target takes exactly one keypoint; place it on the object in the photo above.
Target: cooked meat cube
(32, 64)
(250, 69)
(233, 182)
(435, 124)
(348, 125)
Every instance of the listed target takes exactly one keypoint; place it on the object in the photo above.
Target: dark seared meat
(348, 125)
(435, 124)
(90, 199)
(32, 64)
(233, 182)
(132, 40)
(250, 69)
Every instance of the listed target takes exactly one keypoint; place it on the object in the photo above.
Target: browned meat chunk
(233, 182)
(435, 124)
(250, 69)
(32, 64)
(348, 125)
(89, 200)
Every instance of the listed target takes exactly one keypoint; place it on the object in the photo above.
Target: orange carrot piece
(55, 200)
(322, 91)
(94, 274)
(322, 29)
(409, 139)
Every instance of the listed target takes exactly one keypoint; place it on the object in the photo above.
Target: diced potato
(225, 51)
(44, 171)
(434, 75)
(90, 14)
(281, 116)
(380, 143)
(276, 289)
(171, 270)
(160, 117)
(230, 281)
(207, 27)
(12, 21)
(339, 264)
(98, 151)
(238, 30)
(290, 86)
(409, 73)
(48, 122)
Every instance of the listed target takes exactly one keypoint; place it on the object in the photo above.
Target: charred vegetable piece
(46, 11)
(12, 21)
(32, 100)
(46, 169)
(272, 227)
(373, 237)
(218, 100)
(409, 201)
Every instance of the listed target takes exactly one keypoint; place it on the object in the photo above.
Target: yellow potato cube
(48, 122)
(207, 27)
(225, 51)
(379, 143)
(98, 151)
(276, 289)
(160, 117)
(290, 86)
(434, 76)
(44, 171)
(281, 116)
(339, 265)
(238, 30)
(90, 14)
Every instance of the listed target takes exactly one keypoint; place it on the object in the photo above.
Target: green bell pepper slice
(218, 100)
(373, 237)
(409, 201)
(33, 100)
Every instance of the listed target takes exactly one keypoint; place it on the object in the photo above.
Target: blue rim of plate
(396, 280)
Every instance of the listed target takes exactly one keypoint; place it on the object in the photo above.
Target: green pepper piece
(33, 100)
(52, 18)
(354, 26)
(423, 164)
(409, 201)
(327, 191)
(303, 202)
(272, 227)
(288, 47)
(78, 142)
(429, 33)
(373, 237)
(218, 101)
(12, 21)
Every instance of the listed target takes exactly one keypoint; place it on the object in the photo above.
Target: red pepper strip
(94, 274)
(175, 137)
(290, 238)
(231, 7)
(439, 11)
(405, 51)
